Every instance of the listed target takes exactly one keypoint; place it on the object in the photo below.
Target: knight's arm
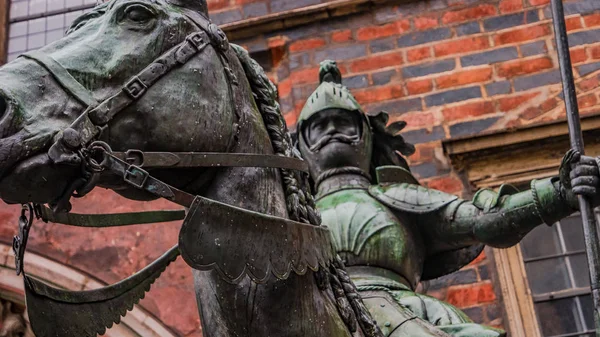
(498, 219)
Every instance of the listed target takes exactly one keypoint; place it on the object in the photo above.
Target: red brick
(592, 20)
(469, 14)
(378, 94)
(523, 34)
(595, 51)
(306, 44)
(538, 2)
(589, 83)
(425, 22)
(277, 46)
(478, 259)
(217, 4)
(371, 33)
(510, 103)
(520, 67)
(586, 101)
(284, 88)
(418, 54)
(419, 86)
(549, 104)
(303, 76)
(464, 111)
(277, 42)
(507, 6)
(531, 113)
(464, 77)
(342, 36)
(461, 46)
(291, 117)
(513, 124)
(573, 23)
(418, 119)
(377, 62)
(446, 184)
(466, 296)
(423, 152)
(578, 55)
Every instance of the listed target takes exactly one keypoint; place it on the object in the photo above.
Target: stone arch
(137, 323)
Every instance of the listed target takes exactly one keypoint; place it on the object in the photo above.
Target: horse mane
(299, 200)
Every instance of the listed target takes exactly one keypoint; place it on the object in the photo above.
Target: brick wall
(226, 11)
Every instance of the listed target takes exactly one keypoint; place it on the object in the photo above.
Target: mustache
(334, 137)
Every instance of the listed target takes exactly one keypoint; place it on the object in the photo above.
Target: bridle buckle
(134, 157)
(196, 40)
(135, 88)
(135, 176)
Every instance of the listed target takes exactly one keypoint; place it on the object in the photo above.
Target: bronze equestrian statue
(393, 233)
(149, 99)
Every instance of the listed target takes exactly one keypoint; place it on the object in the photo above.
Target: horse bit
(78, 143)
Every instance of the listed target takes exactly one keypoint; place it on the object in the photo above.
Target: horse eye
(138, 14)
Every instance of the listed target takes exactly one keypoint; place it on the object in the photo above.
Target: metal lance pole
(590, 229)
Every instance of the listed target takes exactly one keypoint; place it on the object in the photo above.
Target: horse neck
(256, 189)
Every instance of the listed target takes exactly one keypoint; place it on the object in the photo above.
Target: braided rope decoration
(299, 200)
(363, 316)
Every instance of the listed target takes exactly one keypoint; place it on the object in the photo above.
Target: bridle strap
(209, 159)
(88, 125)
(109, 220)
(141, 179)
(62, 76)
(137, 86)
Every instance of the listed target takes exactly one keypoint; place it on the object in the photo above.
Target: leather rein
(79, 144)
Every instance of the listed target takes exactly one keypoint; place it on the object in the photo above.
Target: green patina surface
(393, 233)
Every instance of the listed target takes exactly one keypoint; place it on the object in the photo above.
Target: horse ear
(195, 5)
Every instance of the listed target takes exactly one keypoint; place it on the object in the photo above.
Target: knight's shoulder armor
(411, 198)
(398, 189)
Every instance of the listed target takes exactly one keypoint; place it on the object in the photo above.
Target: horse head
(191, 108)
(157, 76)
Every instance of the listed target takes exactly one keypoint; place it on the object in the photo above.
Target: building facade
(476, 80)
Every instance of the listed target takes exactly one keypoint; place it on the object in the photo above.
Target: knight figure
(392, 232)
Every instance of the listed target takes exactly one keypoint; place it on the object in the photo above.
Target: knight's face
(331, 127)
(332, 139)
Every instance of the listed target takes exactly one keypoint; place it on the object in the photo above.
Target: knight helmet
(330, 95)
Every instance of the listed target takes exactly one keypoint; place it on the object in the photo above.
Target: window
(557, 270)
(35, 23)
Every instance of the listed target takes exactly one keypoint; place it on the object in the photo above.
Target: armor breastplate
(366, 233)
